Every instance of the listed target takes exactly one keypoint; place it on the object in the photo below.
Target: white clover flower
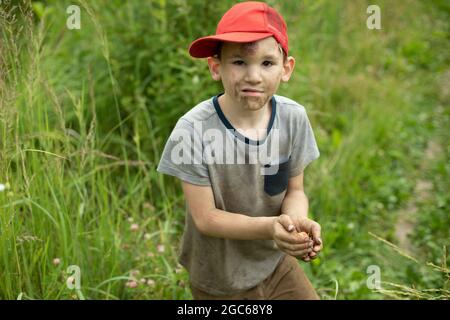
(131, 284)
(134, 273)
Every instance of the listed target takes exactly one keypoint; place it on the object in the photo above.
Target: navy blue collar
(229, 126)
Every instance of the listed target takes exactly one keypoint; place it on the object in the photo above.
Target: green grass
(84, 115)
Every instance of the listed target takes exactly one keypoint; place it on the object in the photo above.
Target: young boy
(244, 187)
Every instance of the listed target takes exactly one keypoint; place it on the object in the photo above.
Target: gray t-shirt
(246, 176)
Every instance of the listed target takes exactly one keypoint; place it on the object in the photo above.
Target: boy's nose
(253, 74)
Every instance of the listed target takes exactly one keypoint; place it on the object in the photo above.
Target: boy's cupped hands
(297, 236)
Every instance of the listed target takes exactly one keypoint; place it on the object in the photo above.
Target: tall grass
(84, 115)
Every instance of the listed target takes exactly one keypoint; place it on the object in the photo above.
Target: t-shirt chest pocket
(276, 177)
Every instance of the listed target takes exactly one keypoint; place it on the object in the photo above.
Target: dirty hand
(288, 240)
(312, 230)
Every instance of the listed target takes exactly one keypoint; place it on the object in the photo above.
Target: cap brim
(207, 46)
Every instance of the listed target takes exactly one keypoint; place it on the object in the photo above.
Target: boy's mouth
(252, 92)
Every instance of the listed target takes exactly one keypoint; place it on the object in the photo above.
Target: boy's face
(251, 72)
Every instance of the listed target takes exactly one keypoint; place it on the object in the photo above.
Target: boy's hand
(288, 239)
(293, 226)
(313, 229)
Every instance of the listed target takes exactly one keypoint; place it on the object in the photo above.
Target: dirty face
(251, 72)
(248, 48)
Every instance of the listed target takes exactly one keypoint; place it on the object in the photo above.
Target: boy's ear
(288, 68)
(214, 68)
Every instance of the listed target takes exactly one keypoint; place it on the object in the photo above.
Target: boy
(245, 208)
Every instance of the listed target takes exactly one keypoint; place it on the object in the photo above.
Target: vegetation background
(85, 114)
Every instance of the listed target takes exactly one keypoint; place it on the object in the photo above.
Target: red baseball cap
(244, 22)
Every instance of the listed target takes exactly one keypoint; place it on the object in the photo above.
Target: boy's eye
(238, 62)
(267, 63)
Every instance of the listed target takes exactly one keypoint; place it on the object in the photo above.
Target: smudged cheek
(231, 86)
(272, 84)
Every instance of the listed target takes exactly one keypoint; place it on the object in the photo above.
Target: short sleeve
(304, 146)
(182, 155)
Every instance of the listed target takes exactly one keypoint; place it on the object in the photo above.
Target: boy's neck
(245, 119)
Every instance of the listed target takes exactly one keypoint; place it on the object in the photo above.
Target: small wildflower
(150, 254)
(130, 219)
(131, 284)
(134, 227)
(151, 282)
(147, 236)
(160, 248)
(134, 273)
(56, 261)
(143, 280)
(4, 186)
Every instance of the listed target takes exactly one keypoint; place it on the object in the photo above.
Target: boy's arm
(295, 205)
(214, 222)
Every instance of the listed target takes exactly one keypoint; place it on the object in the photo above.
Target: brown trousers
(287, 282)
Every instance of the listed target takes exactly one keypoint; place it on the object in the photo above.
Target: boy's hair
(218, 53)
(245, 22)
